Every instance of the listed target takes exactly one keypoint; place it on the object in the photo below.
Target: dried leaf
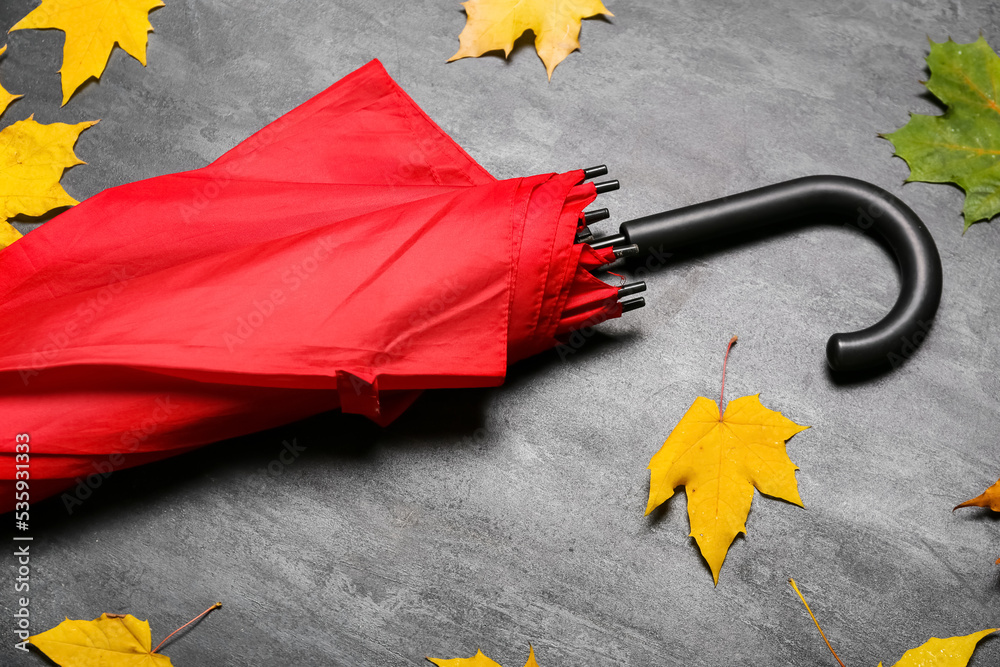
(480, 660)
(113, 640)
(8, 234)
(719, 459)
(109, 641)
(92, 28)
(5, 97)
(962, 146)
(950, 652)
(32, 160)
(494, 25)
(989, 498)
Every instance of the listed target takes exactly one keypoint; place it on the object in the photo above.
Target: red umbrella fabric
(348, 255)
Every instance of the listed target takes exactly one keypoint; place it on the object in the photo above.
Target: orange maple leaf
(989, 498)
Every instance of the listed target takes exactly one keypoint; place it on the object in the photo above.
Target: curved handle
(886, 342)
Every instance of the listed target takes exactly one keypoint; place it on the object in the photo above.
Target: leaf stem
(215, 606)
(792, 582)
(722, 392)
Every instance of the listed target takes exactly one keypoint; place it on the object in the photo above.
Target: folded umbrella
(348, 255)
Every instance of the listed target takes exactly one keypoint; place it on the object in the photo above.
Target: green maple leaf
(962, 146)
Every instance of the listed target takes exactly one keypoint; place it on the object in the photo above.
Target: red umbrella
(348, 255)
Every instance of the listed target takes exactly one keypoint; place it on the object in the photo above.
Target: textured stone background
(499, 517)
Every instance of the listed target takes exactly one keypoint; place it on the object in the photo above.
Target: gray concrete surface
(500, 517)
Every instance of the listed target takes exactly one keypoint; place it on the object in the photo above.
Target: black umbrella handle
(888, 341)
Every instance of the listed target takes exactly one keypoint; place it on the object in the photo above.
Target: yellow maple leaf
(719, 459)
(719, 462)
(8, 234)
(33, 157)
(950, 652)
(494, 25)
(92, 28)
(5, 97)
(480, 660)
(112, 640)
(935, 652)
